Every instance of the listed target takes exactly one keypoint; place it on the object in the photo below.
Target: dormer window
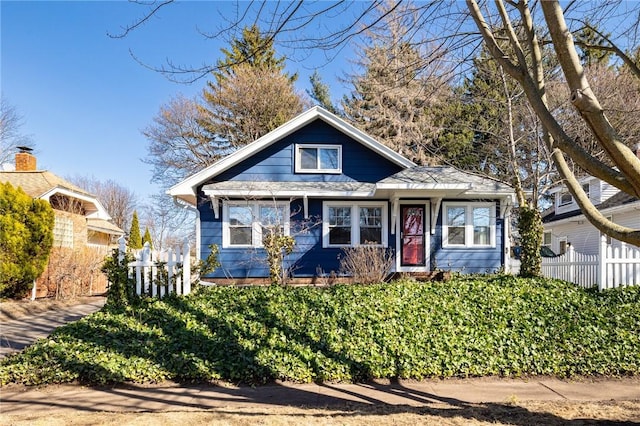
(565, 198)
(318, 158)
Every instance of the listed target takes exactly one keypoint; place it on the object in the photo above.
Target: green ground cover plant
(469, 326)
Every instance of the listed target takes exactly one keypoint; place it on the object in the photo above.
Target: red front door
(412, 249)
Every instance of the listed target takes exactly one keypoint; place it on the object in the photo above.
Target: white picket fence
(608, 269)
(158, 273)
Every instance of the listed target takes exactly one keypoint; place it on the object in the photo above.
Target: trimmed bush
(490, 326)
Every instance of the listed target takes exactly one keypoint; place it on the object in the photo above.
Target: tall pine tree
(394, 100)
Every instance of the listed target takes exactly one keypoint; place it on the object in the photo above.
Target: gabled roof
(43, 184)
(618, 201)
(186, 190)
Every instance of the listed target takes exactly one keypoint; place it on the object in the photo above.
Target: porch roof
(442, 178)
(438, 181)
(289, 189)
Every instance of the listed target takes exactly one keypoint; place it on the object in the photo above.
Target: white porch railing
(158, 273)
(608, 269)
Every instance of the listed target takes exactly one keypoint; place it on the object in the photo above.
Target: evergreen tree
(135, 240)
(146, 238)
(253, 48)
(251, 94)
(400, 89)
(26, 238)
(320, 93)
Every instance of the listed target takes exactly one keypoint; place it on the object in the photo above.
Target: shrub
(74, 272)
(469, 326)
(366, 264)
(122, 288)
(26, 236)
(277, 246)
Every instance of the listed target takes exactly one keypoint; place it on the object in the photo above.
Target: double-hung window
(246, 222)
(347, 224)
(468, 225)
(318, 158)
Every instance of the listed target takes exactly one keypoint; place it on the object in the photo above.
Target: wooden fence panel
(159, 273)
(608, 269)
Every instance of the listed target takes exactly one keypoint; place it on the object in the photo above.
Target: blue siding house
(331, 186)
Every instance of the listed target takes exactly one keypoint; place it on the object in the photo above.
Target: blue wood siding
(305, 261)
(276, 163)
(309, 257)
(467, 260)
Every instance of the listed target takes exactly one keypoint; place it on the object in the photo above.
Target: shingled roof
(39, 182)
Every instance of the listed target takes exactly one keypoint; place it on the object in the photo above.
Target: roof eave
(189, 185)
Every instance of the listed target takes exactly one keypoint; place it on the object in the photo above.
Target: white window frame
(256, 226)
(298, 159)
(468, 237)
(550, 243)
(355, 222)
(564, 203)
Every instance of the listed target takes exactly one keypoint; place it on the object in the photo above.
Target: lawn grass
(469, 326)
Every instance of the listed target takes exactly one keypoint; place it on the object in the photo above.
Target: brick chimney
(25, 162)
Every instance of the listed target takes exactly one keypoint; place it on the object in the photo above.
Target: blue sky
(84, 98)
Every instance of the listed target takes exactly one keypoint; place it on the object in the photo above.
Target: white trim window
(348, 224)
(564, 199)
(468, 224)
(547, 240)
(245, 222)
(315, 158)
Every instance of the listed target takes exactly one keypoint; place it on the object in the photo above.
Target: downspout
(180, 203)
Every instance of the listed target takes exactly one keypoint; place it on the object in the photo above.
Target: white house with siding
(565, 224)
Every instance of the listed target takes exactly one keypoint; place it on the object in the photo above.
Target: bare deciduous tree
(118, 200)
(248, 104)
(178, 145)
(11, 136)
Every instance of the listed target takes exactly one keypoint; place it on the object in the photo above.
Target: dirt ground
(13, 309)
(514, 413)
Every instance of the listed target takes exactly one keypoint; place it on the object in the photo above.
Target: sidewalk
(458, 392)
(21, 332)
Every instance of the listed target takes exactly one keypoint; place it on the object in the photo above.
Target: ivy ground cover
(469, 326)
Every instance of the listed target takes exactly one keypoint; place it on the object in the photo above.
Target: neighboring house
(565, 224)
(331, 186)
(80, 219)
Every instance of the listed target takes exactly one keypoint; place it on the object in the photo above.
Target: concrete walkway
(459, 393)
(16, 334)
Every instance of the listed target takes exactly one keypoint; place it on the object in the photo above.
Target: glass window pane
(370, 216)
(455, 216)
(271, 215)
(456, 235)
(481, 216)
(309, 158)
(370, 235)
(240, 236)
(481, 235)
(240, 215)
(340, 235)
(329, 158)
(481, 225)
